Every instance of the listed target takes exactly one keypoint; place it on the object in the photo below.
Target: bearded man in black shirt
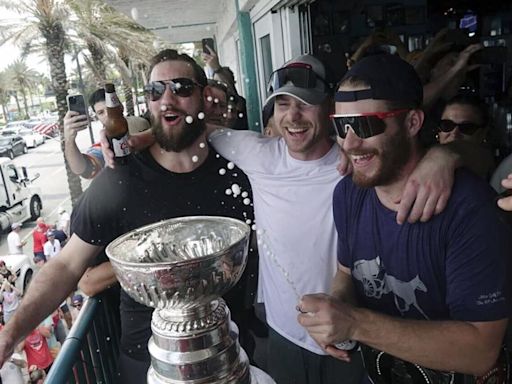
(179, 175)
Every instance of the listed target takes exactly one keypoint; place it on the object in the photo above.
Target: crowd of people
(375, 222)
(35, 354)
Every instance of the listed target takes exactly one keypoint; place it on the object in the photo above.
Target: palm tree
(24, 78)
(113, 36)
(5, 87)
(41, 28)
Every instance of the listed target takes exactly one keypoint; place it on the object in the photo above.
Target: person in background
(6, 273)
(237, 110)
(505, 203)
(52, 247)
(218, 102)
(270, 127)
(47, 329)
(36, 375)
(37, 351)
(64, 220)
(14, 241)
(10, 299)
(39, 237)
(88, 164)
(11, 373)
(464, 126)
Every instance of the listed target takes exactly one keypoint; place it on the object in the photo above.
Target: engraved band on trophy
(182, 267)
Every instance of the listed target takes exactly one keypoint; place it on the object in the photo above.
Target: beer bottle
(116, 126)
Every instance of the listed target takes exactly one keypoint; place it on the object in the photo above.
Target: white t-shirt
(14, 243)
(10, 372)
(63, 223)
(51, 249)
(297, 239)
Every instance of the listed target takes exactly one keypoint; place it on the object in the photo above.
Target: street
(48, 160)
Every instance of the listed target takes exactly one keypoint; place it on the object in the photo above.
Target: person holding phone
(88, 164)
(236, 115)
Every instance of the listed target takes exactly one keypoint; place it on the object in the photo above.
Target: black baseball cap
(390, 78)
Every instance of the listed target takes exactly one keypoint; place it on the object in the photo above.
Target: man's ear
(414, 121)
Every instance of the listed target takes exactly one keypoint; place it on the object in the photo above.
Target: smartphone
(208, 43)
(489, 55)
(77, 103)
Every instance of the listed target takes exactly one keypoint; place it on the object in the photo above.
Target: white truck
(19, 199)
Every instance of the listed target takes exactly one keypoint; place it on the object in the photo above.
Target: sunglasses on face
(299, 74)
(182, 87)
(364, 125)
(464, 128)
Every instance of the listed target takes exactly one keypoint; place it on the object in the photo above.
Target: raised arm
(73, 123)
(44, 295)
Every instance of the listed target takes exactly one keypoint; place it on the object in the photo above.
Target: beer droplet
(240, 115)
(209, 98)
(224, 115)
(195, 159)
(222, 171)
(228, 191)
(248, 221)
(245, 194)
(200, 115)
(189, 119)
(163, 107)
(236, 189)
(253, 227)
(202, 145)
(247, 201)
(231, 165)
(216, 101)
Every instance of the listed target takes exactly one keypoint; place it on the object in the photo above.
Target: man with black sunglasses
(178, 175)
(428, 302)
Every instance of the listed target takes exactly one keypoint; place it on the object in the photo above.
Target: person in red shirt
(39, 238)
(37, 351)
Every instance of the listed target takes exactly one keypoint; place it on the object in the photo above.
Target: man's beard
(393, 156)
(181, 138)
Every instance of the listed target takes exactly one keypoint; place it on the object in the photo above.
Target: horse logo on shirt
(376, 283)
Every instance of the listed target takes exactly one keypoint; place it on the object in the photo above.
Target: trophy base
(239, 374)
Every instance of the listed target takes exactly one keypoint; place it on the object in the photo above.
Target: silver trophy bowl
(182, 267)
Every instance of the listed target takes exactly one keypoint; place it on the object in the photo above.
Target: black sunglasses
(364, 125)
(464, 128)
(299, 74)
(182, 87)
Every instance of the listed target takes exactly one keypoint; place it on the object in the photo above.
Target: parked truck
(19, 199)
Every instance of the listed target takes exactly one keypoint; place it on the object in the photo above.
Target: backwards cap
(390, 78)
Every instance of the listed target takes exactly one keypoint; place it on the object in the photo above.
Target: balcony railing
(89, 353)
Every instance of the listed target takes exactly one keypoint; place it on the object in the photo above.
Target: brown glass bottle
(116, 126)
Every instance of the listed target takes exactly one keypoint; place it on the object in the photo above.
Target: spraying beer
(116, 126)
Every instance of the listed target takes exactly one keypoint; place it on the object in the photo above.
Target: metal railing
(89, 353)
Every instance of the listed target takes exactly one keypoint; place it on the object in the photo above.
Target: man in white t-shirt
(14, 241)
(52, 247)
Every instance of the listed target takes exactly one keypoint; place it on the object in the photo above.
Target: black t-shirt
(142, 192)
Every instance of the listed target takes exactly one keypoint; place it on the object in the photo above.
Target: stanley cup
(182, 267)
